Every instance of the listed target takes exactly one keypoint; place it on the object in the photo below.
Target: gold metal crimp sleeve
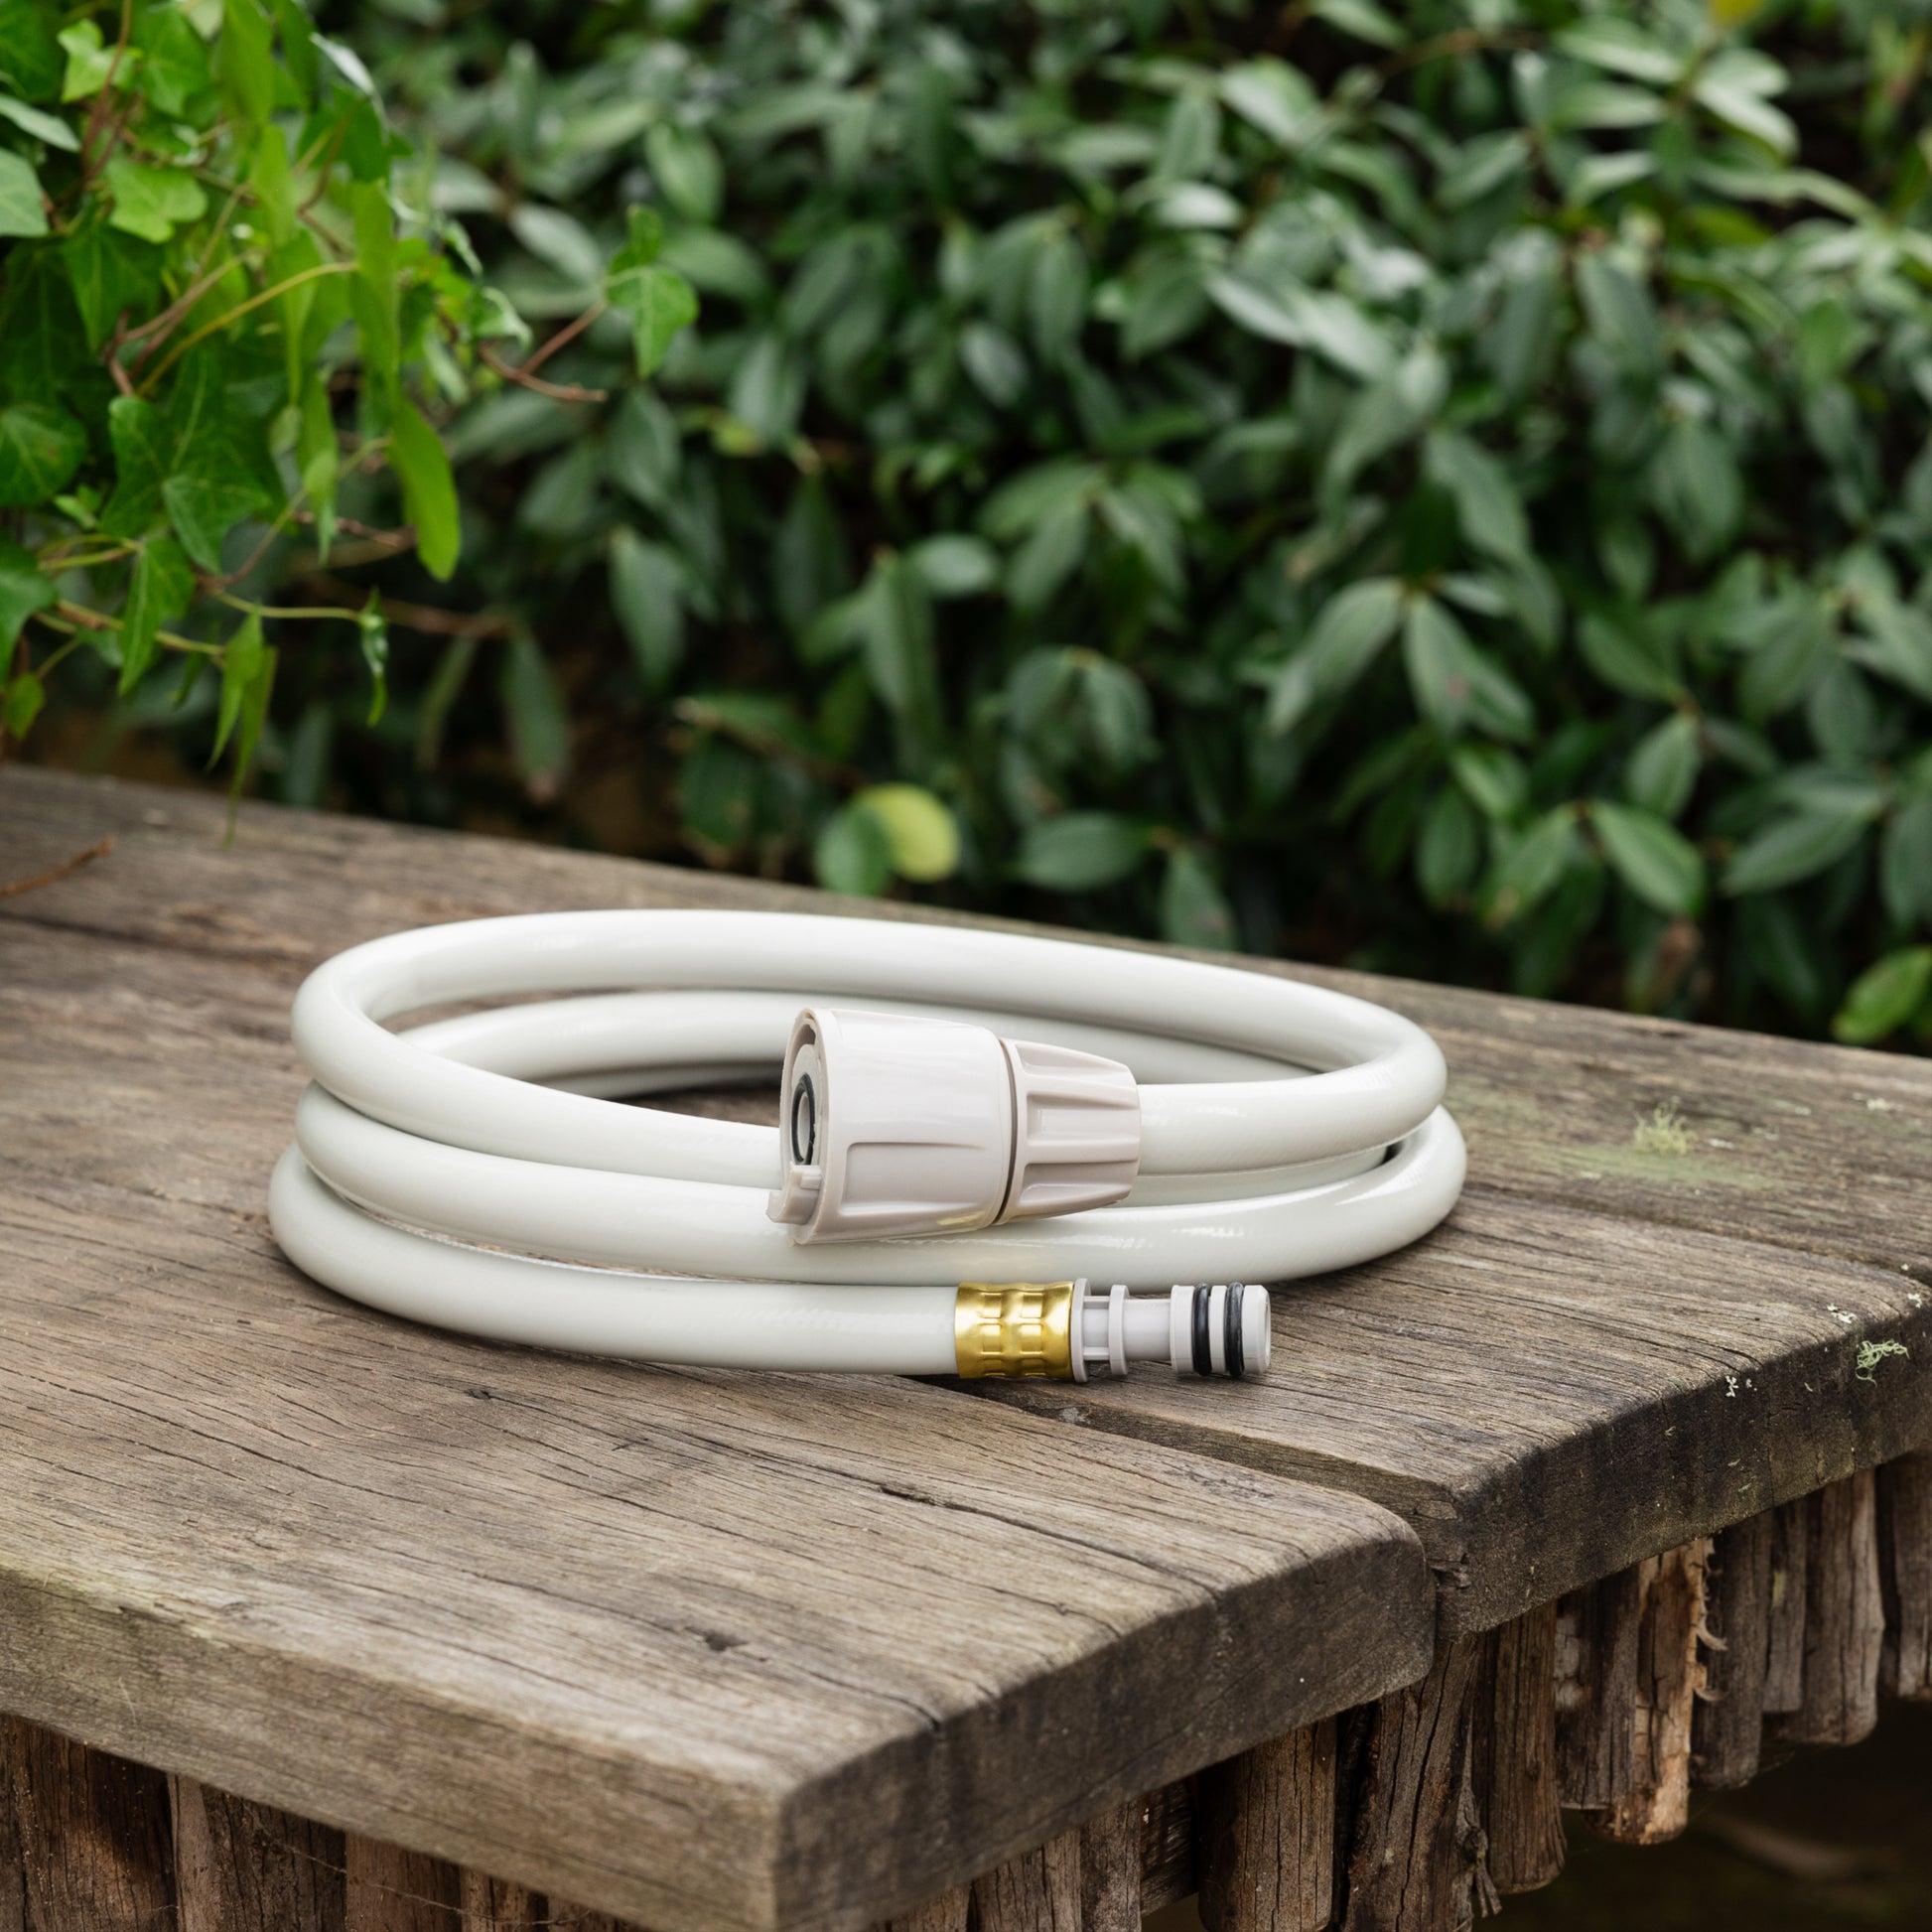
(1013, 1329)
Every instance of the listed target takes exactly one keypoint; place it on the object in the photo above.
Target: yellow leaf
(923, 834)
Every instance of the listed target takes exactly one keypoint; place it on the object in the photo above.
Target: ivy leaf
(1885, 995)
(160, 589)
(151, 201)
(422, 467)
(657, 299)
(21, 212)
(110, 272)
(142, 450)
(372, 293)
(30, 56)
(203, 509)
(242, 665)
(245, 58)
(91, 61)
(1080, 851)
(22, 699)
(1656, 860)
(40, 449)
(50, 128)
(23, 591)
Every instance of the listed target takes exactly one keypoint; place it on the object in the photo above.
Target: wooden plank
(1663, 1343)
(1845, 1617)
(1110, 1869)
(512, 1609)
(949, 1912)
(497, 1905)
(85, 1835)
(390, 1889)
(1670, 1673)
(1784, 1659)
(1729, 1721)
(1906, 1573)
(1038, 1891)
(1168, 1868)
(245, 1867)
(1596, 1660)
(1517, 1778)
(1412, 1845)
(1267, 1834)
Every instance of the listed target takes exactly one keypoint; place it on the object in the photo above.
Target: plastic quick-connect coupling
(1070, 1332)
(895, 1125)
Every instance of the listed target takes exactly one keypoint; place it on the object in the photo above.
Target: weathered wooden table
(311, 1619)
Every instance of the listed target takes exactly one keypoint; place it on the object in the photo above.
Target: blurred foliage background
(1442, 486)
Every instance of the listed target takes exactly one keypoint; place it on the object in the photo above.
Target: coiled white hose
(465, 1171)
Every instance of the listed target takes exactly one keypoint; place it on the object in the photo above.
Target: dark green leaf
(536, 717)
(1790, 849)
(853, 853)
(1663, 769)
(23, 591)
(160, 588)
(241, 666)
(1344, 640)
(647, 591)
(373, 629)
(40, 449)
(1079, 851)
(428, 488)
(1885, 995)
(1194, 910)
(1652, 858)
(21, 212)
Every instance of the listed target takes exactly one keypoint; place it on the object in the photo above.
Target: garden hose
(991, 1144)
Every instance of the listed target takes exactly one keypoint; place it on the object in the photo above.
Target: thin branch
(532, 363)
(64, 870)
(241, 309)
(556, 391)
(181, 305)
(427, 618)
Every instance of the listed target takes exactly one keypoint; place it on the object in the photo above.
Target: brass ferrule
(1013, 1329)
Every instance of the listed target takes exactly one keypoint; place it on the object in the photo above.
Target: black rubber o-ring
(805, 1101)
(1204, 1355)
(1231, 1339)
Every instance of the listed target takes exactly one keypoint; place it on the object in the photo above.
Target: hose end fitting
(1014, 1329)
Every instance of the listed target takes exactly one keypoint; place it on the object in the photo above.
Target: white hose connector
(894, 1126)
(477, 1172)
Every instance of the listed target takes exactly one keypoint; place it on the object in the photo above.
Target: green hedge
(1443, 486)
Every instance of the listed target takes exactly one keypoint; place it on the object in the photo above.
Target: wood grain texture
(1845, 1615)
(1670, 1673)
(1110, 1869)
(1728, 1729)
(1905, 1574)
(1038, 1891)
(1784, 1651)
(951, 1911)
(1516, 1770)
(1414, 1849)
(1168, 1868)
(390, 1889)
(245, 1867)
(1265, 1825)
(1604, 1353)
(85, 1833)
(497, 1905)
(1597, 1641)
(652, 1640)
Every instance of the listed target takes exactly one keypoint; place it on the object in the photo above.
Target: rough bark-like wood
(949, 1912)
(1784, 1651)
(1415, 1853)
(649, 1639)
(1845, 1617)
(1596, 1651)
(1670, 1673)
(1729, 1728)
(1662, 1342)
(1905, 1571)
(1038, 1891)
(1267, 1834)
(497, 1905)
(87, 1834)
(1110, 1870)
(390, 1889)
(1167, 1867)
(1516, 1773)
(242, 1868)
